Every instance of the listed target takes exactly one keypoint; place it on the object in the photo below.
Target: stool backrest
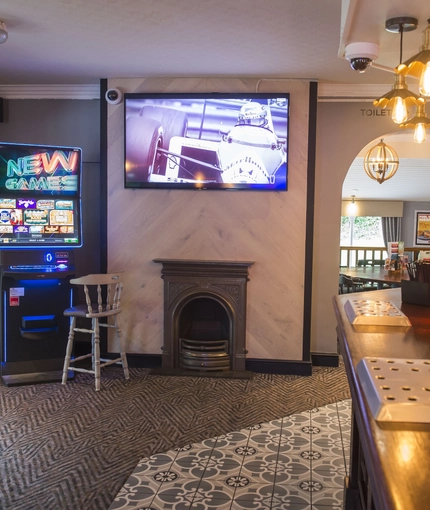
(111, 283)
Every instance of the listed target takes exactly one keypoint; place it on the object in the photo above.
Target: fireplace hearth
(204, 315)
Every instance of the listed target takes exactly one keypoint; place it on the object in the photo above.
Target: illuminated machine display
(40, 225)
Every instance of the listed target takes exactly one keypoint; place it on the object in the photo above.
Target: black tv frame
(152, 120)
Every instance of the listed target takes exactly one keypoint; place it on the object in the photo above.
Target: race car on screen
(221, 143)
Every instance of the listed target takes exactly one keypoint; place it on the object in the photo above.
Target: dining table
(376, 274)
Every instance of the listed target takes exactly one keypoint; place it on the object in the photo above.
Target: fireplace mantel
(203, 267)
(225, 281)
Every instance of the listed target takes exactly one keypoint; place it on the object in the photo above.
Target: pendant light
(399, 98)
(381, 162)
(419, 64)
(419, 122)
(352, 208)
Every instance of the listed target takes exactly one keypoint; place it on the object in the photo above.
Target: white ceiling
(82, 41)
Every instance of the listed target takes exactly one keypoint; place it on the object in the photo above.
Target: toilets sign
(54, 171)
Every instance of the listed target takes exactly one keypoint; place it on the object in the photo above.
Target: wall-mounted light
(381, 162)
(419, 123)
(352, 208)
(3, 32)
(419, 64)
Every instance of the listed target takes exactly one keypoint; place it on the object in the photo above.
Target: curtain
(391, 229)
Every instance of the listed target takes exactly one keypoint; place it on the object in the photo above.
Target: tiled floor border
(298, 462)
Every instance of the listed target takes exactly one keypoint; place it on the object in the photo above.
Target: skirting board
(325, 359)
(265, 366)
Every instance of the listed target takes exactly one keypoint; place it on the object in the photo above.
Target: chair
(103, 298)
(364, 263)
(349, 283)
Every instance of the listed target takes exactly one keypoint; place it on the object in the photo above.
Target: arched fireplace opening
(205, 307)
(204, 336)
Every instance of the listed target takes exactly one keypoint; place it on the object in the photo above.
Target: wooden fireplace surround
(221, 280)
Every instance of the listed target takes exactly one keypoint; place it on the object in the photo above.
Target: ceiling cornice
(84, 91)
(350, 92)
(327, 92)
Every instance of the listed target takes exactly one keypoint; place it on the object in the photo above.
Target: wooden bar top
(397, 455)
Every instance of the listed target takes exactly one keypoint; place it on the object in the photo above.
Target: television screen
(206, 141)
(40, 203)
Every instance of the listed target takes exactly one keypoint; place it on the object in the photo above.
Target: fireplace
(204, 314)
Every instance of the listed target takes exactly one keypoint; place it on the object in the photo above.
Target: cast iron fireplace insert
(204, 314)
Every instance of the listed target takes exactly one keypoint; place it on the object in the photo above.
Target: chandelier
(400, 99)
(381, 162)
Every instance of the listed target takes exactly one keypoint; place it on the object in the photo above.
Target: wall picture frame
(422, 229)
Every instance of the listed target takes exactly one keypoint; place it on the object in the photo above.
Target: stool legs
(69, 349)
(121, 347)
(96, 364)
(96, 351)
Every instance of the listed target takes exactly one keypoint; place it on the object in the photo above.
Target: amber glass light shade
(419, 123)
(399, 99)
(419, 65)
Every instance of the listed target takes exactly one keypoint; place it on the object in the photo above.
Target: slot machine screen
(40, 204)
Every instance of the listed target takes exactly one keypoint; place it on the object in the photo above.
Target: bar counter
(390, 462)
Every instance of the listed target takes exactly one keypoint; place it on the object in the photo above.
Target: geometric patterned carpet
(71, 448)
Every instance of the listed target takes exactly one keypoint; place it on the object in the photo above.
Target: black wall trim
(103, 177)
(265, 366)
(323, 359)
(276, 366)
(310, 207)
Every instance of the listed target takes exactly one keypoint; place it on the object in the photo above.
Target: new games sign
(40, 203)
(40, 170)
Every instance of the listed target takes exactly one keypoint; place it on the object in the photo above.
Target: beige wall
(374, 208)
(268, 228)
(342, 132)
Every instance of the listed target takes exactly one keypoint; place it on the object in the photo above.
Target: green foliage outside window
(366, 231)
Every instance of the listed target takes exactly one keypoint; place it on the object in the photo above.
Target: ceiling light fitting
(381, 162)
(419, 65)
(419, 123)
(399, 98)
(3, 32)
(352, 208)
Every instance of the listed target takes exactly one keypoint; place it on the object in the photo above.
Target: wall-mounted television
(40, 201)
(206, 141)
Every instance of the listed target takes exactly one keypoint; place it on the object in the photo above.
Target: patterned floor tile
(130, 497)
(233, 439)
(329, 498)
(291, 496)
(297, 463)
(222, 464)
(329, 444)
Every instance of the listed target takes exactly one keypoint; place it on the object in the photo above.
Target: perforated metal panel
(397, 390)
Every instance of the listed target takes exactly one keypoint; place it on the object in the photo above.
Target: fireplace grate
(206, 355)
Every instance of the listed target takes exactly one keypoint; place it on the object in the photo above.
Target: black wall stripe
(310, 201)
(103, 176)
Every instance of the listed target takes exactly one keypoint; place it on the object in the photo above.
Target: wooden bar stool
(103, 299)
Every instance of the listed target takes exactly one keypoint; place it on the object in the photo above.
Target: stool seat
(102, 300)
(82, 311)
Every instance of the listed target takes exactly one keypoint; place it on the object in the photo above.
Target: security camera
(113, 96)
(361, 55)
